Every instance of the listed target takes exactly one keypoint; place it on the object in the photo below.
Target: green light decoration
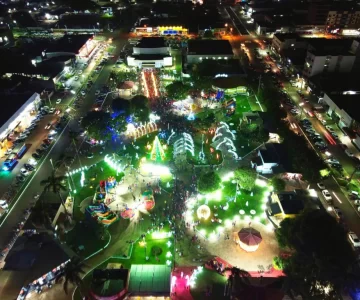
(157, 152)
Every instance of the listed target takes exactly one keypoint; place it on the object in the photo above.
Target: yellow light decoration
(203, 212)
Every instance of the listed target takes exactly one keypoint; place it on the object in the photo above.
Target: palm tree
(237, 273)
(40, 216)
(55, 184)
(72, 274)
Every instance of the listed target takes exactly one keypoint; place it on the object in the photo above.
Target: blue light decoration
(191, 116)
(170, 31)
(162, 134)
(129, 119)
(220, 95)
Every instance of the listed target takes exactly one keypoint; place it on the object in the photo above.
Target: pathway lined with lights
(150, 84)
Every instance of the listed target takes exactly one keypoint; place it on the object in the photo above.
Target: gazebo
(126, 87)
(248, 238)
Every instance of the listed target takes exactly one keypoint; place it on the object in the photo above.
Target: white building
(150, 52)
(318, 62)
(199, 50)
(17, 113)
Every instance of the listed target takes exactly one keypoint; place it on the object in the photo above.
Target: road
(12, 281)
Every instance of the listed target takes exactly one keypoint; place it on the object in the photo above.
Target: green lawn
(209, 281)
(242, 105)
(245, 201)
(141, 251)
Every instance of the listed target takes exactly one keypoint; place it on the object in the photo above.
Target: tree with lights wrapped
(157, 152)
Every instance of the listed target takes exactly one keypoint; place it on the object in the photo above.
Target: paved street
(11, 282)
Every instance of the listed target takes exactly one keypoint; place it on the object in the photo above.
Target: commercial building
(340, 97)
(199, 50)
(327, 56)
(284, 41)
(17, 114)
(150, 52)
(343, 15)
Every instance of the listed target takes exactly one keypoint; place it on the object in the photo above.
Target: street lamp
(226, 24)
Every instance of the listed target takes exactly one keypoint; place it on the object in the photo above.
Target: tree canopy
(208, 182)
(246, 177)
(121, 106)
(178, 90)
(322, 262)
(139, 107)
(278, 184)
(96, 122)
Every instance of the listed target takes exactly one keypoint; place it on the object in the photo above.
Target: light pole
(357, 168)
(52, 165)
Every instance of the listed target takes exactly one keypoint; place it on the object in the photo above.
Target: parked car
(349, 153)
(354, 240)
(4, 204)
(58, 101)
(326, 195)
(338, 213)
(83, 93)
(24, 171)
(29, 167)
(321, 186)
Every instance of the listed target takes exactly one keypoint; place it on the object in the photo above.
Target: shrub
(156, 250)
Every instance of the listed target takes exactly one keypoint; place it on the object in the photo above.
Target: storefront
(22, 114)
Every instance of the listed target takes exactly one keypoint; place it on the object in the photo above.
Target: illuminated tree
(157, 152)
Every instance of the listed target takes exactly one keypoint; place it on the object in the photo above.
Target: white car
(58, 101)
(83, 93)
(4, 204)
(326, 195)
(32, 162)
(357, 202)
(353, 239)
(52, 110)
(321, 186)
(24, 172)
(97, 92)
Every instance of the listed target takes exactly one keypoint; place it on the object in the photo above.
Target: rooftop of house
(276, 153)
(209, 47)
(151, 42)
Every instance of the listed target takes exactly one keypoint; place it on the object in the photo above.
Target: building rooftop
(30, 254)
(286, 36)
(150, 279)
(209, 47)
(324, 46)
(151, 42)
(296, 56)
(11, 104)
(69, 43)
(149, 56)
(349, 103)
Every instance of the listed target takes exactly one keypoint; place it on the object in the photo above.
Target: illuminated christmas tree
(157, 152)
